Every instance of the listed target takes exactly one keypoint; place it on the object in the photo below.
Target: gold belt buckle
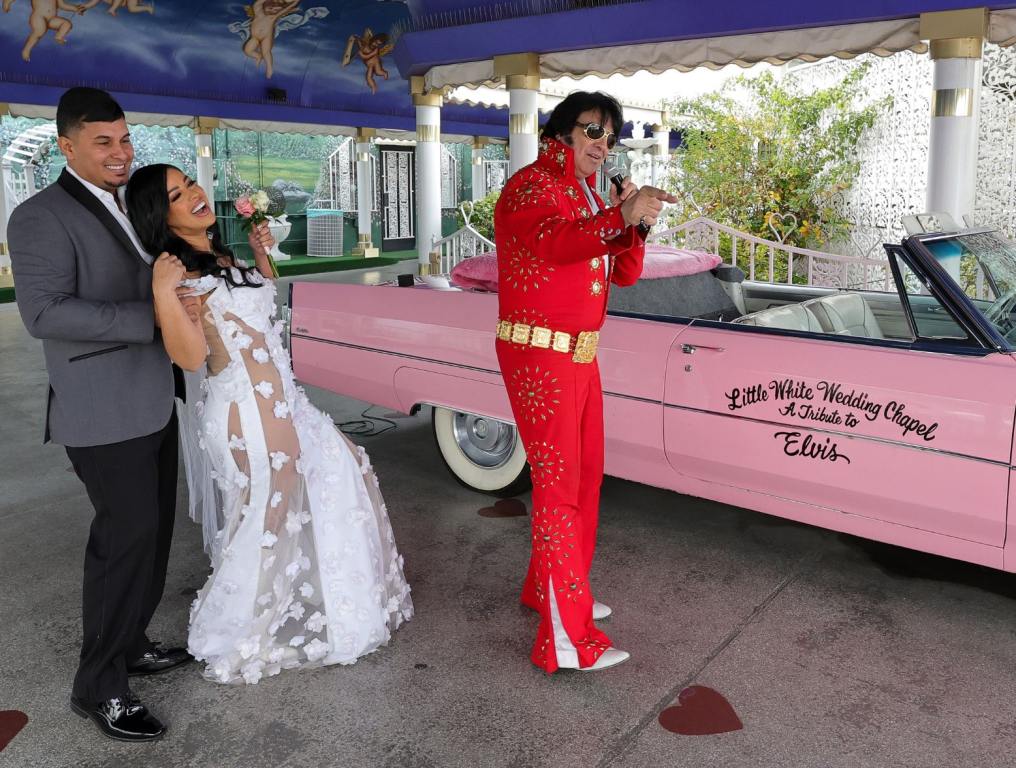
(585, 346)
(586, 342)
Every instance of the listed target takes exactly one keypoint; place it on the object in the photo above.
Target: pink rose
(244, 207)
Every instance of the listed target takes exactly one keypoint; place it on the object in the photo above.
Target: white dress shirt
(595, 209)
(107, 199)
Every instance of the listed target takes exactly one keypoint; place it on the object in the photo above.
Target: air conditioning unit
(324, 232)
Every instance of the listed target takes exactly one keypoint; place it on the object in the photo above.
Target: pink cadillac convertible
(884, 411)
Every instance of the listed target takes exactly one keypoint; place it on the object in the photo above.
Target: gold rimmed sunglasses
(596, 131)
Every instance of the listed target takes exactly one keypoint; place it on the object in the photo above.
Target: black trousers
(132, 486)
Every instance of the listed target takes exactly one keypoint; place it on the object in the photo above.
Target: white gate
(17, 174)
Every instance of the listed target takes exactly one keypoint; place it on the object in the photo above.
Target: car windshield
(984, 267)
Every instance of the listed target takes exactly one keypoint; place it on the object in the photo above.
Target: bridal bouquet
(253, 209)
(260, 207)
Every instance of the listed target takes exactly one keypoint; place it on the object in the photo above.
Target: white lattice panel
(995, 202)
(893, 154)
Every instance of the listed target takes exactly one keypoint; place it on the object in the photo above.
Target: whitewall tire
(482, 453)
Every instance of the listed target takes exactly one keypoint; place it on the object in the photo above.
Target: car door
(916, 433)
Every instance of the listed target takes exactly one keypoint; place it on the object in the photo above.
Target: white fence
(763, 258)
(461, 244)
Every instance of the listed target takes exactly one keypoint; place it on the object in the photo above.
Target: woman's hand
(177, 314)
(627, 190)
(260, 239)
(167, 272)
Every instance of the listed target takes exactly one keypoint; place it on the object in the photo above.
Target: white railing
(762, 257)
(462, 244)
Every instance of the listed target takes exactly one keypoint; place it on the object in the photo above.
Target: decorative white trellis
(17, 173)
(893, 154)
(340, 170)
(762, 256)
(461, 244)
(449, 178)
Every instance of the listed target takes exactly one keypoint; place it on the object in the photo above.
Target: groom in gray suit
(84, 286)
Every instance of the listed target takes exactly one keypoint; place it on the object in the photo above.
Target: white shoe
(609, 658)
(601, 611)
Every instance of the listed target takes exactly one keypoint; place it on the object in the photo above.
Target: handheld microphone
(617, 179)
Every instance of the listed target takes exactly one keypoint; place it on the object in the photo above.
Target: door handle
(689, 349)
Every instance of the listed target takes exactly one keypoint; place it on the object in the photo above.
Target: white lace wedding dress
(305, 568)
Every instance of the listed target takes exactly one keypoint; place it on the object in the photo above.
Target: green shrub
(759, 149)
(482, 219)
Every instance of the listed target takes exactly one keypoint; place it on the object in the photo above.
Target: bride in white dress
(305, 568)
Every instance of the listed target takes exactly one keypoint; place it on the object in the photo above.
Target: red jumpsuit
(555, 261)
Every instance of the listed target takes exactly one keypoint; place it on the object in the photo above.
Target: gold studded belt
(582, 346)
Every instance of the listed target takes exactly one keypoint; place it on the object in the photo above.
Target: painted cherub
(46, 16)
(370, 48)
(133, 6)
(264, 16)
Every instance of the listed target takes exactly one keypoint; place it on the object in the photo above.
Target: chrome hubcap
(485, 442)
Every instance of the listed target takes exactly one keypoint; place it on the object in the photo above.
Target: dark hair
(566, 114)
(148, 208)
(85, 105)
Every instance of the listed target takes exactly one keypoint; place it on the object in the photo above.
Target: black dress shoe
(122, 718)
(156, 660)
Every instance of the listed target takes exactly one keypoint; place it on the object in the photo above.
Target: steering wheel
(1000, 313)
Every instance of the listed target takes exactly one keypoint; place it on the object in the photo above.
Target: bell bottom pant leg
(558, 411)
(591, 469)
(590, 479)
(132, 487)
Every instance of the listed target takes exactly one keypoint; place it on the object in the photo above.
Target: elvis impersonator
(558, 249)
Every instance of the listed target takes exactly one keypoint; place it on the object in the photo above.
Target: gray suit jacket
(83, 289)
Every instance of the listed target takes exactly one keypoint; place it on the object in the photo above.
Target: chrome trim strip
(632, 397)
(403, 355)
(847, 435)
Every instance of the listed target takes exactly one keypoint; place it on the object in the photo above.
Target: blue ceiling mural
(321, 61)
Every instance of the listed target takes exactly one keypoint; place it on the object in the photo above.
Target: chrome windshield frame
(983, 330)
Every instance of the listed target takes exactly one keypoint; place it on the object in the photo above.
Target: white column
(428, 175)
(5, 259)
(661, 153)
(523, 123)
(957, 40)
(364, 196)
(479, 177)
(205, 162)
(522, 74)
(952, 156)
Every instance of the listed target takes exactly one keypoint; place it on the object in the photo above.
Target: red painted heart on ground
(11, 723)
(505, 508)
(700, 711)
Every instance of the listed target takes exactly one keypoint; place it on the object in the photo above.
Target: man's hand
(260, 239)
(644, 206)
(627, 190)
